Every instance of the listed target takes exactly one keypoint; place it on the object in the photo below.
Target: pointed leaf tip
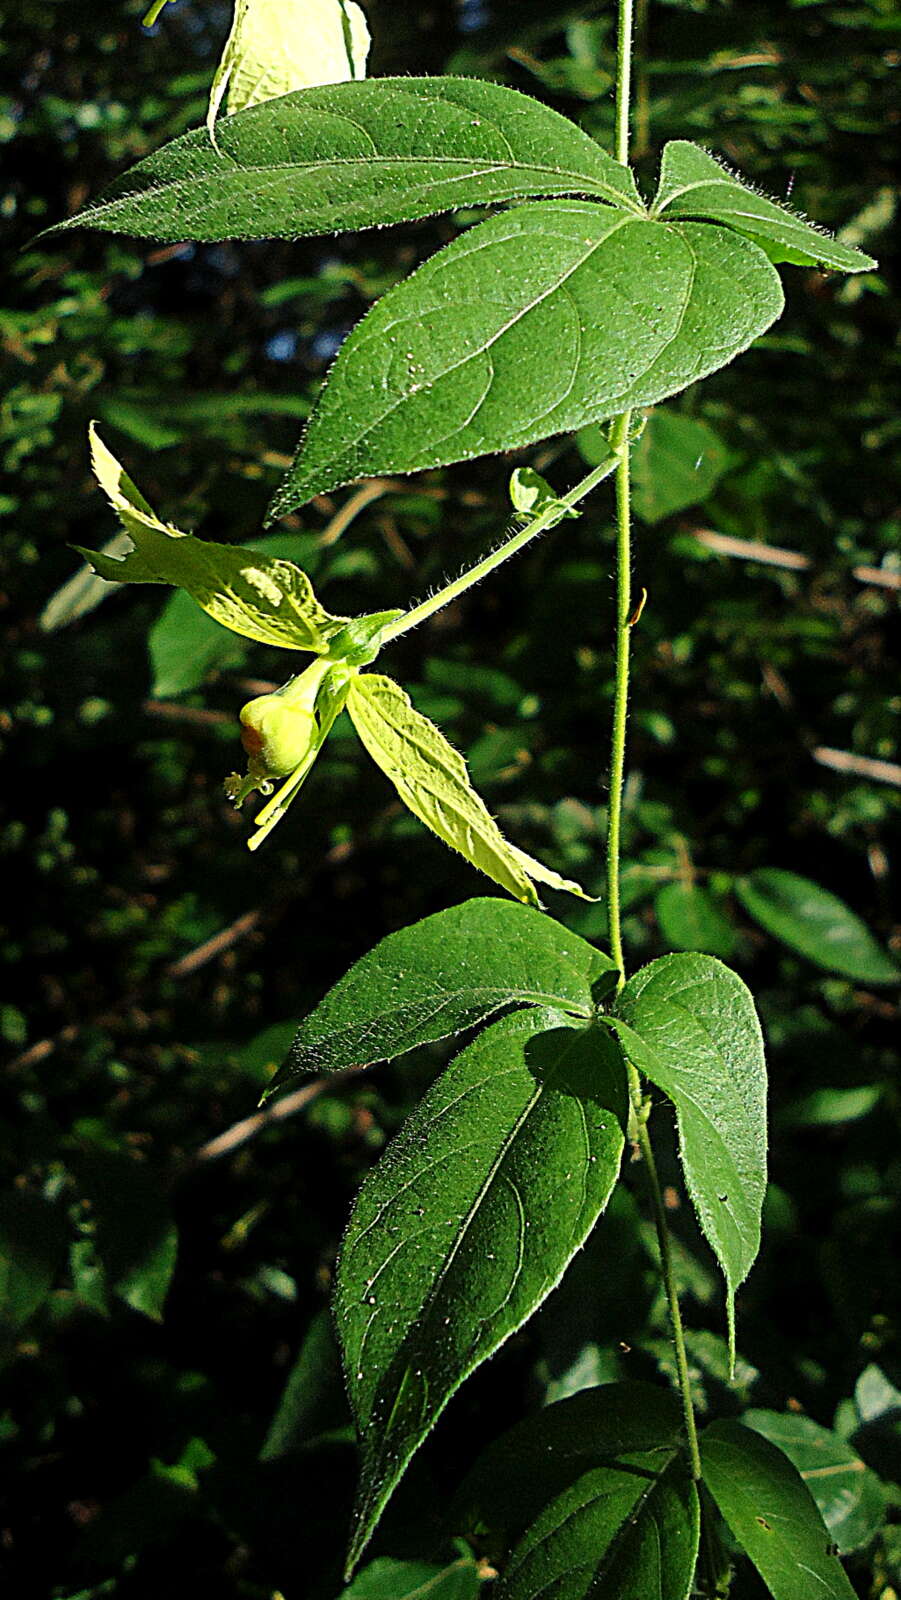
(432, 779)
(260, 597)
(694, 184)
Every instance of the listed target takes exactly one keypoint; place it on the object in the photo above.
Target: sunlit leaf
(689, 1024)
(694, 184)
(258, 596)
(441, 370)
(276, 46)
(446, 973)
(358, 155)
(772, 1514)
(468, 1222)
(432, 780)
(850, 1498)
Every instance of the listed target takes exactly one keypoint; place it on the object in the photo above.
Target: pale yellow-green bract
(258, 596)
(431, 778)
(276, 46)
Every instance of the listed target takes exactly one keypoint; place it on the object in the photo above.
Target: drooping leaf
(446, 973)
(255, 595)
(772, 1514)
(467, 1223)
(694, 184)
(442, 370)
(690, 919)
(276, 46)
(816, 924)
(432, 780)
(358, 155)
(850, 1498)
(33, 1234)
(689, 1024)
(387, 1579)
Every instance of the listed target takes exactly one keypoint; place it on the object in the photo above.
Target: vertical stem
(623, 79)
(619, 440)
(669, 1280)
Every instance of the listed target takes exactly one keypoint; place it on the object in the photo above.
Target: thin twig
(773, 555)
(210, 948)
(225, 1144)
(860, 766)
(371, 490)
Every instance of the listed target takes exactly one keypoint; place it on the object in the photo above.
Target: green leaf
(816, 924)
(313, 1401)
(531, 494)
(416, 1580)
(694, 184)
(279, 45)
(442, 370)
(772, 1514)
(689, 1024)
(186, 645)
(136, 1238)
(445, 973)
(33, 1235)
(690, 919)
(467, 1223)
(597, 1496)
(552, 1449)
(257, 596)
(850, 1498)
(677, 462)
(358, 155)
(629, 1529)
(431, 778)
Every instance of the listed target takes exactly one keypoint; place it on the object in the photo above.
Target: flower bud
(276, 734)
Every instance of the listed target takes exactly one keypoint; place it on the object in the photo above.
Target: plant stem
(623, 79)
(669, 1278)
(620, 442)
(545, 519)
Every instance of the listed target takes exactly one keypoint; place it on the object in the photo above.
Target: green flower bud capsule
(276, 735)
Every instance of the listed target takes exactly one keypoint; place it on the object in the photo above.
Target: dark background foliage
(152, 970)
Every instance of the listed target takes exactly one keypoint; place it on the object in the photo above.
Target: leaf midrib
(377, 1495)
(525, 311)
(626, 1527)
(583, 184)
(533, 997)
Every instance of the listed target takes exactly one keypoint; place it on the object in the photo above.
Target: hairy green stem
(620, 444)
(545, 519)
(623, 79)
(669, 1279)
